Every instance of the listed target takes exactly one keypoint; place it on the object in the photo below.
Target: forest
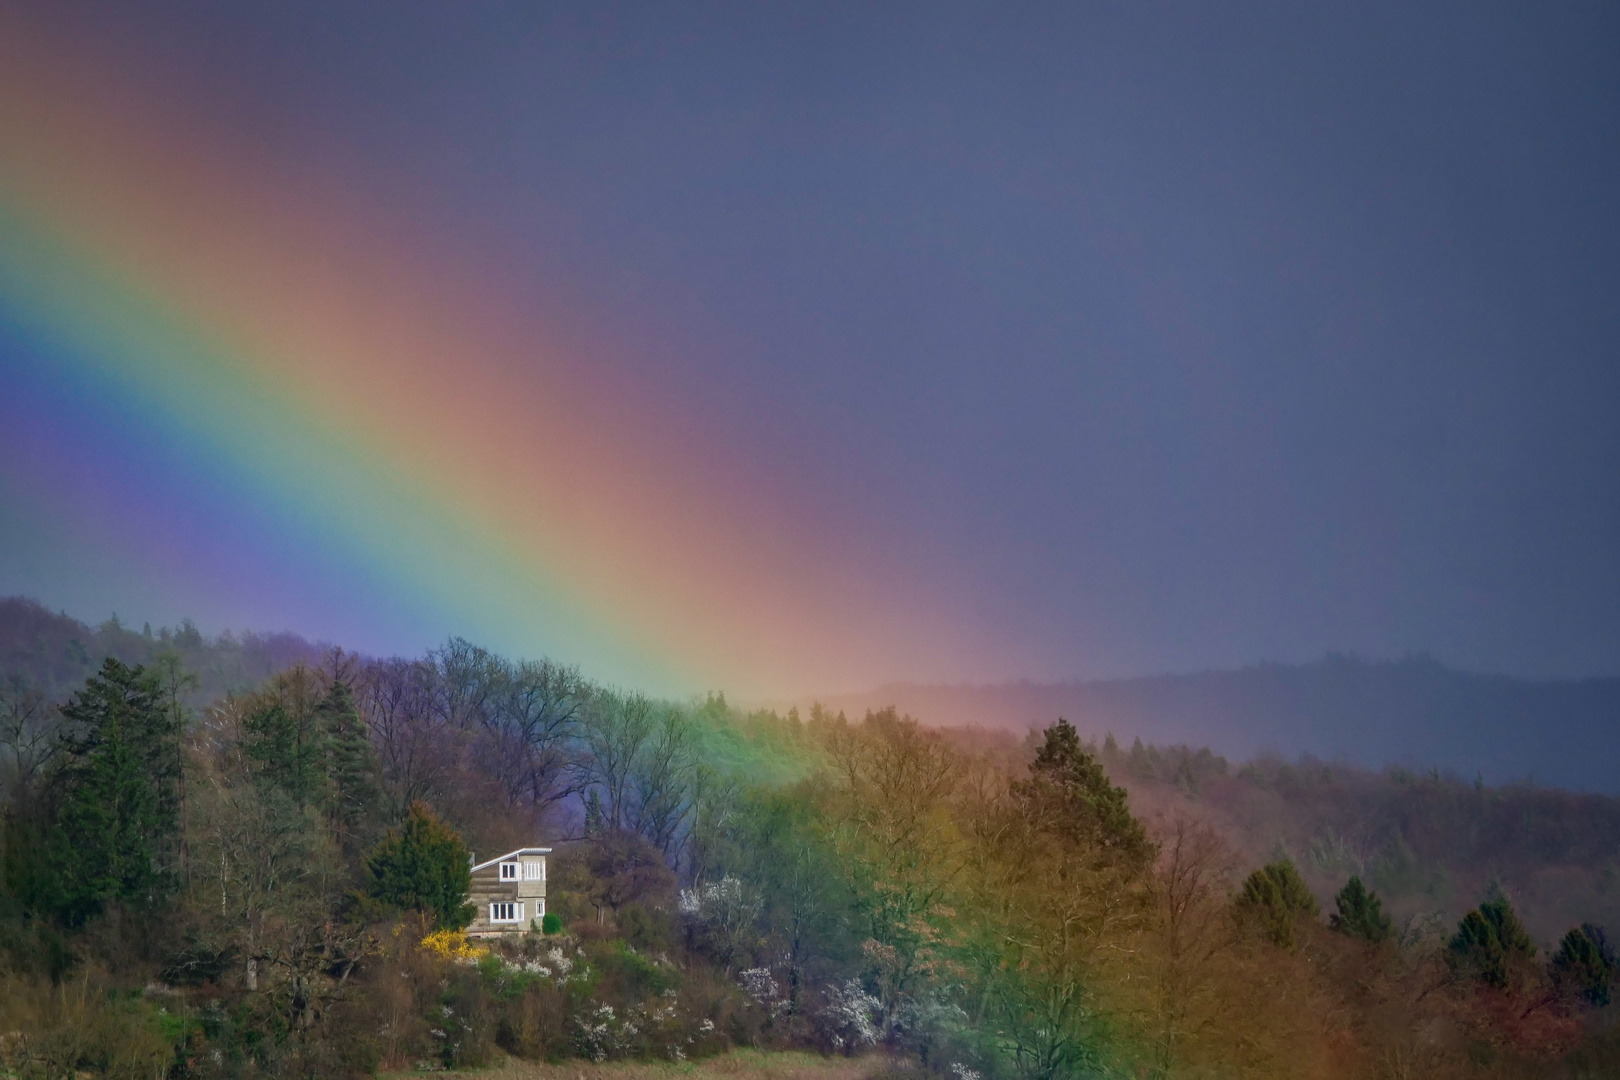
(249, 857)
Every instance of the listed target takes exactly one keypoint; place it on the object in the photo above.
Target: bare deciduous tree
(401, 702)
(30, 734)
(662, 782)
(531, 720)
(615, 730)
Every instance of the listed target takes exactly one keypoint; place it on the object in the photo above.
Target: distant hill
(1431, 846)
(54, 652)
(1414, 712)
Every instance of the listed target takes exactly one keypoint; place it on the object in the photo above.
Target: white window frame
(534, 870)
(513, 912)
(510, 871)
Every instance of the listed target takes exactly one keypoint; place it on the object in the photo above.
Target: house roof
(513, 855)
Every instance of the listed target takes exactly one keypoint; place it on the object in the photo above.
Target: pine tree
(351, 765)
(595, 820)
(288, 742)
(1274, 900)
(1585, 963)
(1487, 943)
(1360, 913)
(1069, 792)
(424, 866)
(118, 816)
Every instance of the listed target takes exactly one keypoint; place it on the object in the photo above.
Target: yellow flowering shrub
(453, 945)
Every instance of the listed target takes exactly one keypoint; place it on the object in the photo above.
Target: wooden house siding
(526, 892)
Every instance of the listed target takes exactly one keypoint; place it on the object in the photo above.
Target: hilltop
(53, 653)
(1414, 712)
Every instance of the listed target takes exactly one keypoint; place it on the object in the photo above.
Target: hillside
(1431, 845)
(1414, 712)
(296, 844)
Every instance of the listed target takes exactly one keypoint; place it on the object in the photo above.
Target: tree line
(275, 885)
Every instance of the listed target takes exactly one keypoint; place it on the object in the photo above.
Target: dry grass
(736, 1065)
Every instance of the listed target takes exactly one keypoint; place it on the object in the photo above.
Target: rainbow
(380, 417)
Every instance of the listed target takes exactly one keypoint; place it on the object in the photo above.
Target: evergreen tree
(1274, 900)
(351, 765)
(1069, 793)
(118, 815)
(424, 866)
(288, 742)
(595, 820)
(1487, 943)
(1585, 963)
(1360, 913)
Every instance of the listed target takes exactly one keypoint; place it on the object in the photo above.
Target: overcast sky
(1204, 334)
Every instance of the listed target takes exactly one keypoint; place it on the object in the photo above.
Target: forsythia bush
(453, 945)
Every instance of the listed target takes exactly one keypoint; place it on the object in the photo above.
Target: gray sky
(1185, 335)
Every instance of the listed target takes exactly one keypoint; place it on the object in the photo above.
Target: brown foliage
(1204, 996)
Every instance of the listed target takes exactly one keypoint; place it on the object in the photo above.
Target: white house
(509, 893)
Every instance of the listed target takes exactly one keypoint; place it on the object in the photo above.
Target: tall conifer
(1069, 793)
(351, 765)
(288, 741)
(118, 818)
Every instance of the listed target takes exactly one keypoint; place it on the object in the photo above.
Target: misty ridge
(1415, 713)
(52, 653)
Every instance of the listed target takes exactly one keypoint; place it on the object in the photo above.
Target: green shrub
(630, 975)
(1585, 964)
(463, 1021)
(1274, 901)
(1487, 943)
(423, 866)
(1360, 913)
(551, 924)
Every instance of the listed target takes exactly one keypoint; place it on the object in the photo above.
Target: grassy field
(737, 1065)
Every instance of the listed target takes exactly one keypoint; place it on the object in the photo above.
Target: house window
(534, 871)
(509, 871)
(505, 911)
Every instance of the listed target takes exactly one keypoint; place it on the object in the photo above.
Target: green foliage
(1585, 964)
(768, 845)
(551, 924)
(351, 764)
(117, 822)
(631, 974)
(1069, 793)
(1360, 913)
(1488, 942)
(1274, 900)
(289, 743)
(82, 1029)
(29, 859)
(465, 1014)
(425, 867)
